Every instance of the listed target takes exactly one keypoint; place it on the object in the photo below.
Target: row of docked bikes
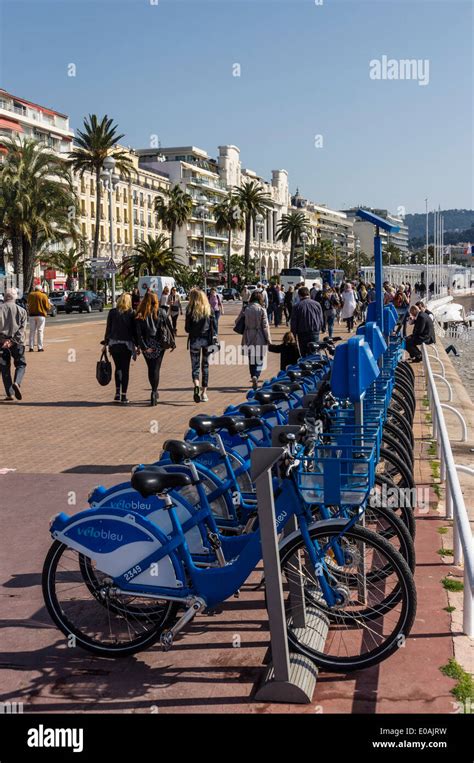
(182, 535)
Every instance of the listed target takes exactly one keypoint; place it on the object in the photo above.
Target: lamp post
(334, 243)
(304, 238)
(259, 228)
(202, 212)
(110, 180)
(357, 245)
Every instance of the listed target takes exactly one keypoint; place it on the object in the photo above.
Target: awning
(10, 124)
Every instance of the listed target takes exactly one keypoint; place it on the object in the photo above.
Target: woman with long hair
(201, 327)
(121, 339)
(150, 321)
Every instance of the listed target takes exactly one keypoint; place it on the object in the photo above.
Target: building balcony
(208, 182)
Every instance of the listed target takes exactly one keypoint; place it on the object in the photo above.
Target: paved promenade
(64, 438)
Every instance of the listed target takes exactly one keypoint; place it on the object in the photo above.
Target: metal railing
(463, 546)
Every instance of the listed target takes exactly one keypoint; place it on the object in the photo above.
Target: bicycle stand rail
(290, 677)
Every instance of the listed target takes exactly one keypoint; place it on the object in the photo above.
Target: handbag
(239, 327)
(103, 371)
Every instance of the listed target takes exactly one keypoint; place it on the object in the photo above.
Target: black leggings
(154, 367)
(174, 320)
(121, 356)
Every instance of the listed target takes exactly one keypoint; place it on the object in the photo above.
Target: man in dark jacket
(423, 333)
(307, 320)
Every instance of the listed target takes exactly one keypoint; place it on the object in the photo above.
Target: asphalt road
(231, 308)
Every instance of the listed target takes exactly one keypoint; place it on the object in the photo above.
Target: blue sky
(166, 69)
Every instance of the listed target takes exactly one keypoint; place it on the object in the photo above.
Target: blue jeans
(306, 338)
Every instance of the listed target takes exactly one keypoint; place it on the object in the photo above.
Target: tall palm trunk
(29, 257)
(17, 253)
(97, 213)
(292, 249)
(248, 225)
(229, 251)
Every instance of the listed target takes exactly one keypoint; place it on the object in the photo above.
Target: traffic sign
(111, 267)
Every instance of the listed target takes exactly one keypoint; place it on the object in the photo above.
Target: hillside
(456, 221)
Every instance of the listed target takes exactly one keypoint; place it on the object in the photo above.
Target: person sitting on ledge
(423, 333)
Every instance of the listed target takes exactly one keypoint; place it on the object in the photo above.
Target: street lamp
(304, 238)
(110, 181)
(201, 211)
(259, 228)
(357, 245)
(334, 243)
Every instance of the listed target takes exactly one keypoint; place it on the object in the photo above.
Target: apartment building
(133, 212)
(327, 224)
(364, 230)
(21, 117)
(208, 181)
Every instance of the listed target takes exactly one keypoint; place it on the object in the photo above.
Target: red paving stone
(204, 672)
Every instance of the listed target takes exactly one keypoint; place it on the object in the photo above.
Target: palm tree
(153, 256)
(228, 218)
(93, 144)
(320, 255)
(38, 199)
(252, 201)
(67, 262)
(290, 227)
(174, 212)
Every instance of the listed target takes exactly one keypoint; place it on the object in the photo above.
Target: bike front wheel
(343, 638)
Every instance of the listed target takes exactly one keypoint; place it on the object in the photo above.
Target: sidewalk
(60, 450)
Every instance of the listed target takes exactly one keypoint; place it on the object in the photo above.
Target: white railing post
(463, 548)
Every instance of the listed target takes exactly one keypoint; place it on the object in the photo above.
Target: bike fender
(337, 524)
(117, 541)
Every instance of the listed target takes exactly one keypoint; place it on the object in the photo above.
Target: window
(119, 236)
(149, 220)
(93, 230)
(84, 229)
(83, 207)
(125, 216)
(92, 209)
(125, 194)
(117, 213)
(126, 236)
(149, 200)
(102, 236)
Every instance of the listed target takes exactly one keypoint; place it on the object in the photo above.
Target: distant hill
(457, 222)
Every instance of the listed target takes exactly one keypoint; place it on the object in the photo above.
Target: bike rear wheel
(98, 620)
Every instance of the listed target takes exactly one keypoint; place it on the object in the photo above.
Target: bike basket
(337, 474)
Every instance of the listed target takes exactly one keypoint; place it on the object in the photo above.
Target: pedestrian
(245, 296)
(279, 298)
(256, 336)
(13, 319)
(348, 306)
(122, 340)
(216, 304)
(423, 333)
(175, 308)
(289, 304)
(329, 306)
(307, 320)
(165, 295)
(151, 322)
(314, 292)
(401, 303)
(135, 298)
(201, 327)
(38, 307)
(288, 350)
(371, 294)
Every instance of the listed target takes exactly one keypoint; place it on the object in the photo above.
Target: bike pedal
(166, 641)
(237, 594)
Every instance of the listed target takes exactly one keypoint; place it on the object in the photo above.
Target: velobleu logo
(385, 68)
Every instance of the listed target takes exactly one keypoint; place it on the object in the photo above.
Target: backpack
(166, 335)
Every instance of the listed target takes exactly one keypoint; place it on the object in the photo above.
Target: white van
(155, 283)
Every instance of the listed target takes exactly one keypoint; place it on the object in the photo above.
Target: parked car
(84, 301)
(58, 299)
(230, 294)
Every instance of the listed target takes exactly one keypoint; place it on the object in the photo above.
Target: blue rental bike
(119, 584)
